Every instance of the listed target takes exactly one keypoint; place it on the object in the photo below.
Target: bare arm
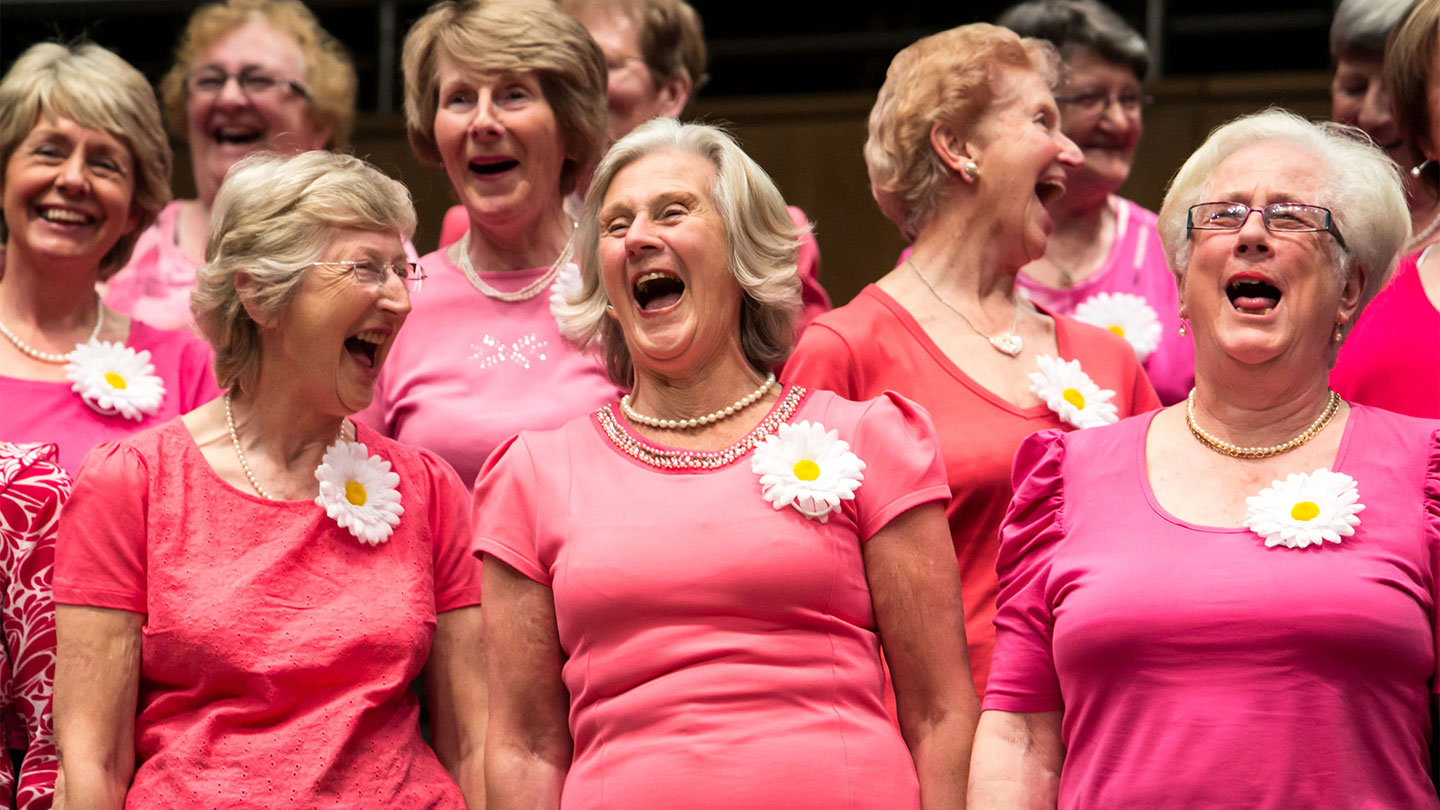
(459, 705)
(1017, 761)
(528, 747)
(97, 675)
(915, 588)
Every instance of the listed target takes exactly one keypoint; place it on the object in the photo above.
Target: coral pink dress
(1392, 358)
(873, 344)
(277, 649)
(719, 653)
(1197, 668)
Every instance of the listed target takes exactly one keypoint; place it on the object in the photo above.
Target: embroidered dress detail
(1305, 509)
(674, 459)
(804, 466)
(1127, 315)
(113, 378)
(1071, 394)
(359, 492)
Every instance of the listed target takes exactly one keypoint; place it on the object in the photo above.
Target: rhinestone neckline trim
(669, 459)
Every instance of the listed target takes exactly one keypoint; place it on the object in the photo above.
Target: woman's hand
(528, 747)
(915, 588)
(1017, 761)
(455, 688)
(97, 676)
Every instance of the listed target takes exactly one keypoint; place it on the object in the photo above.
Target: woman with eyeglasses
(1104, 264)
(245, 593)
(1231, 602)
(248, 75)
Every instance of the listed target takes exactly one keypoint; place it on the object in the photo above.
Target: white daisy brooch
(1305, 509)
(1071, 394)
(803, 466)
(113, 378)
(566, 288)
(1127, 315)
(358, 492)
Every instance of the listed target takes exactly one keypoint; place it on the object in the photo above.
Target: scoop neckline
(192, 448)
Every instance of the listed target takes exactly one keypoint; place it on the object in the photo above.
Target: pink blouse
(1392, 358)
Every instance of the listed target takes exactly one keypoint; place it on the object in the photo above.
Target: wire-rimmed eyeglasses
(1097, 101)
(371, 274)
(253, 83)
(1277, 218)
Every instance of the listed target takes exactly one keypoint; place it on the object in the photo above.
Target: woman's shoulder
(888, 410)
(1381, 428)
(139, 454)
(869, 309)
(1136, 214)
(158, 341)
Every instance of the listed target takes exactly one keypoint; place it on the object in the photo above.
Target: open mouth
(65, 216)
(1049, 191)
(364, 347)
(492, 167)
(1252, 296)
(237, 136)
(656, 291)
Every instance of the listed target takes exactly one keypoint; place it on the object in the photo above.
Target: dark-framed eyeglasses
(254, 83)
(372, 274)
(1097, 101)
(1277, 217)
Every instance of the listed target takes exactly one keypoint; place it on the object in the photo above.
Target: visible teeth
(371, 336)
(62, 215)
(648, 277)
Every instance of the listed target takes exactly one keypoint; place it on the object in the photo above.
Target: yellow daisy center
(355, 493)
(1117, 329)
(1305, 510)
(1074, 397)
(806, 470)
(115, 380)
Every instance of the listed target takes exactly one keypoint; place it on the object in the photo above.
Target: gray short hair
(1362, 26)
(1362, 189)
(763, 242)
(272, 217)
(1071, 24)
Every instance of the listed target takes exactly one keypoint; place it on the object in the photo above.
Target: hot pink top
(277, 649)
(719, 653)
(45, 411)
(1197, 668)
(468, 372)
(873, 344)
(1392, 358)
(155, 285)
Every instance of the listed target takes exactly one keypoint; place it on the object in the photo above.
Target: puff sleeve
(506, 510)
(903, 468)
(822, 359)
(100, 549)
(457, 573)
(1432, 544)
(1022, 677)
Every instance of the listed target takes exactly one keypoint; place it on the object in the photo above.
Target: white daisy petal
(1127, 315)
(113, 378)
(1071, 394)
(1305, 509)
(803, 466)
(566, 288)
(359, 492)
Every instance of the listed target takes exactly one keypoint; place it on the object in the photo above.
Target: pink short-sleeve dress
(277, 649)
(1197, 668)
(1392, 358)
(720, 652)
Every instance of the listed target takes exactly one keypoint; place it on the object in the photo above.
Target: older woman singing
(1231, 602)
(686, 591)
(245, 593)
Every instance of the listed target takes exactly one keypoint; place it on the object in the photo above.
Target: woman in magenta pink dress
(1392, 357)
(246, 592)
(1232, 602)
(86, 169)
(686, 591)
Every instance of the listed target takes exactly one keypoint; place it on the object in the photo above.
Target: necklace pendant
(1008, 343)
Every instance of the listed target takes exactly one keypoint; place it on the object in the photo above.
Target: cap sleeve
(903, 468)
(457, 572)
(1022, 677)
(1432, 543)
(822, 359)
(100, 546)
(506, 510)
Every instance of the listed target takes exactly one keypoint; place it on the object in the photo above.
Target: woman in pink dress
(1392, 357)
(509, 98)
(686, 592)
(246, 592)
(965, 154)
(1231, 602)
(294, 90)
(86, 169)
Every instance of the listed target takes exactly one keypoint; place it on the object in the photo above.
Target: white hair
(1362, 26)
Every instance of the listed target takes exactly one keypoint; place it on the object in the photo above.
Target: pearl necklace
(525, 293)
(47, 357)
(240, 454)
(709, 418)
(1236, 451)
(1008, 343)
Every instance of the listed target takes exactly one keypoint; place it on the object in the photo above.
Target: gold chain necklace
(1008, 343)
(1236, 451)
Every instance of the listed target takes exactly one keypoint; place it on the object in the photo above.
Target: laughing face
(232, 117)
(334, 336)
(1258, 295)
(68, 193)
(501, 145)
(1107, 136)
(1358, 97)
(664, 264)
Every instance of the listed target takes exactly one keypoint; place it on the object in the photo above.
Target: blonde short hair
(1410, 61)
(947, 78)
(272, 218)
(763, 247)
(98, 90)
(1361, 187)
(672, 38)
(510, 37)
(329, 74)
